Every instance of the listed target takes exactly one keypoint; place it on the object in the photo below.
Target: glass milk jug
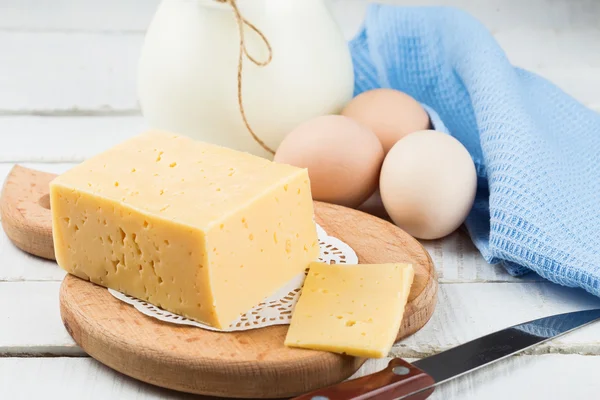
(295, 65)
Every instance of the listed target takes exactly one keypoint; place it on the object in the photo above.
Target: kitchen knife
(402, 380)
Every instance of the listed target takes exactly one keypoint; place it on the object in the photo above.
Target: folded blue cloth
(536, 149)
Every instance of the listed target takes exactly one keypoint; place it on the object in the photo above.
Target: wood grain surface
(251, 364)
(25, 211)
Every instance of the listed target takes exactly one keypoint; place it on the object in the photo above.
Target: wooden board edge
(85, 334)
(25, 212)
(427, 298)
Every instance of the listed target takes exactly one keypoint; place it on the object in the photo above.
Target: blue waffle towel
(536, 149)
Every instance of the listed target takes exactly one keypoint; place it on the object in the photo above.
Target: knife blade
(402, 380)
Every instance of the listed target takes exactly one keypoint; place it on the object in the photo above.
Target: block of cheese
(199, 230)
(351, 309)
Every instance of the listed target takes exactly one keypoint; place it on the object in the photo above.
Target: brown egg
(428, 183)
(343, 158)
(389, 113)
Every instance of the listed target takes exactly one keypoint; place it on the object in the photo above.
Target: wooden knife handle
(398, 379)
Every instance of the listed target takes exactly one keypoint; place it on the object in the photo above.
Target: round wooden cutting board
(250, 364)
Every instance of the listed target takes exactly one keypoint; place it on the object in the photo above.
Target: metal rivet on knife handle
(400, 370)
(398, 380)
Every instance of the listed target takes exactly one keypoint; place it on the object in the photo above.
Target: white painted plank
(30, 320)
(457, 260)
(61, 72)
(527, 377)
(499, 15)
(16, 265)
(467, 311)
(496, 15)
(567, 58)
(94, 73)
(520, 377)
(63, 139)
(77, 15)
(583, 84)
(134, 15)
(72, 378)
(464, 312)
(562, 49)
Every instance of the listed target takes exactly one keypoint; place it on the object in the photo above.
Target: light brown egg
(343, 158)
(428, 183)
(389, 113)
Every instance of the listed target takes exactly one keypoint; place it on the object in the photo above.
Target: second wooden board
(249, 364)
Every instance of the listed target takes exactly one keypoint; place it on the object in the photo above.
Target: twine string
(241, 21)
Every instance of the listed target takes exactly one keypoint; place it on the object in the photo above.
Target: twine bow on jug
(241, 21)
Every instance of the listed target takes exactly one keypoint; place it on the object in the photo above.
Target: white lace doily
(274, 310)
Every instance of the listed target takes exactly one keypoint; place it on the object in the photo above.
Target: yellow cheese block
(200, 230)
(351, 309)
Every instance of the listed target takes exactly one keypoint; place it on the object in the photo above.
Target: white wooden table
(67, 91)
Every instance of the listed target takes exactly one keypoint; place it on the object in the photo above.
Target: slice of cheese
(351, 309)
(200, 230)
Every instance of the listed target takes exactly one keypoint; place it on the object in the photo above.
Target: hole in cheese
(44, 201)
(122, 234)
